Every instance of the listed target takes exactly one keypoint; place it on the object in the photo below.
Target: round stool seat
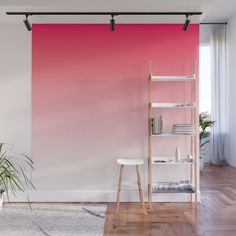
(130, 162)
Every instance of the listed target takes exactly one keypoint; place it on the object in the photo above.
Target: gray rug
(52, 219)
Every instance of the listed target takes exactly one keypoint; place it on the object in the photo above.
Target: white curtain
(219, 94)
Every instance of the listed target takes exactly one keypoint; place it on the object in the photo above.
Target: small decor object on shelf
(186, 105)
(189, 158)
(159, 161)
(157, 124)
(177, 154)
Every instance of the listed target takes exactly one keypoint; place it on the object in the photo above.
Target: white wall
(231, 43)
(15, 88)
(205, 34)
(15, 113)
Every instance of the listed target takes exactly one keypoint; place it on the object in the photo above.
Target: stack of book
(157, 125)
(183, 129)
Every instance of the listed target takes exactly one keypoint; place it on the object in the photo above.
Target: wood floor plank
(214, 216)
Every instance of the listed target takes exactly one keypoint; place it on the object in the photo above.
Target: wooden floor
(214, 216)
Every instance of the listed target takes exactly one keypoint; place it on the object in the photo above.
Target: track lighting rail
(112, 14)
(105, 13)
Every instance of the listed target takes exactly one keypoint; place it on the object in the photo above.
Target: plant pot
(202, 162)
(1, 201)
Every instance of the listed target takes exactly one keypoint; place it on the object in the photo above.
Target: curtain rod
(103, 13)
(219, 23)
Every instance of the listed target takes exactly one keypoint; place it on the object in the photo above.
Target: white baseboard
(96, 196)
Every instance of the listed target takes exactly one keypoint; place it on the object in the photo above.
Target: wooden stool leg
(119, 189)
(140, 189)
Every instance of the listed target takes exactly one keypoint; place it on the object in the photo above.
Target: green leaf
(205, 122)
(13, 171)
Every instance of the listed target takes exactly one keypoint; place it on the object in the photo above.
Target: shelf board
(170, 134)
(189, 190)
(172, 105)
(172, 163)
(171, 158)
(172, 78)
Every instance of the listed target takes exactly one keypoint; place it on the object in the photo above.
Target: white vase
(1, 201)
(177, 154)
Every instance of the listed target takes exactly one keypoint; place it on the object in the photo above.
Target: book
(183, 129)
(157, 125)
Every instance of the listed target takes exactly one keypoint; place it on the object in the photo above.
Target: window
(205, 78)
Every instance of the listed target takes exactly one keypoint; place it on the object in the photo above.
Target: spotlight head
(27, 24)
(112, 23)
(186, 23)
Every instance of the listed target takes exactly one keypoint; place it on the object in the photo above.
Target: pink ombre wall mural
(89, 102)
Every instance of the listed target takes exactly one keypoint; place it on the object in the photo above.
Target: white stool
(130, 162)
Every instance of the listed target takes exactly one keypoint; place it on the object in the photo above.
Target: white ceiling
(221, 11)
(213, 10)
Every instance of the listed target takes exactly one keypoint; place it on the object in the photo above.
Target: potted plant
(205, 124)
(13, 176)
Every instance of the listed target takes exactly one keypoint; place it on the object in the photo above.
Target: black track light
(27, 24)
(112, 23)
(186, 23)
